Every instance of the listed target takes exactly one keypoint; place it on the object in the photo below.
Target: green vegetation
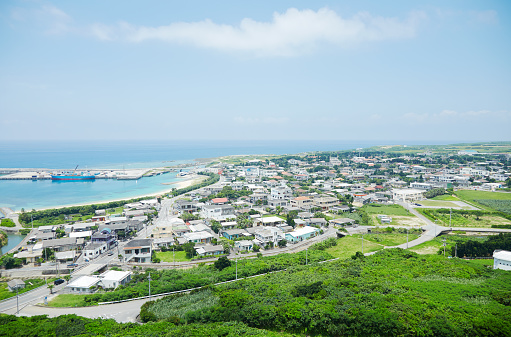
(3, 238)
(213, 178)
(349, 245)
(68, 300)
(466, 218)
(474, 196)
(176, 306)
(390, 239)
(391, 293)
(438, 203)
(58, 216)
(29, 285)
(385, 209)
(499, 205)
(170, 280)
(7, 223)
(180, 256)
(435, 192)
(473, 248)
(72, 325)
(446, 197)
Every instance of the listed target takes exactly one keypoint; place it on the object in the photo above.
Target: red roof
(219, 200)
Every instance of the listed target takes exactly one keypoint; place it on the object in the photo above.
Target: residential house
(324, 202)
(111, 279)
(281, 192)
(198, 237)
(244, 245)
(502, 259)
(138, 250)
(93, 250)
(407, 195)
(217, 212)
(15, 284)
(302, 234)
(84, 285)
(303, 202)
(232, 234)
(209, 250)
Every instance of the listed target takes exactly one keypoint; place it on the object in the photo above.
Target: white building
(113, 278)
(281, 192)
(502, 260)
(407, 195)
(84, 284)
(93, 250)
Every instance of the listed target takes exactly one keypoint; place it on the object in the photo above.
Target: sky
(243, 70)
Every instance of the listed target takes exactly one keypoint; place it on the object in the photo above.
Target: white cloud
(290, 33)
(52, 19)
(481, 115)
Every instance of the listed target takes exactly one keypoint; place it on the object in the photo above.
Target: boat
(73, 176)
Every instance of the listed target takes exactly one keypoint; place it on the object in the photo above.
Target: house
(268, 234)
(111, 279)
(15, 284)
(232, 234)
(209, 250)
(217, 212)
(302, 234)
(198, 237)
(186, 206)
(60, 245)
(229, 225)
(139, 250)
(407, 195)
(163, 242)
(303, 202)
(269, 221)
(324, 202)
(219, 201)
(502, 260)
(163, 230)
(100, 212)
(30, 255)
(421, 186)
(84, 285)
(93, 250)
(281, 192)
(244, 245)
(105, 236)
(65, 256)
(317, 222)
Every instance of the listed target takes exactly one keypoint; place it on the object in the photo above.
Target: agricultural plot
(475, 219)
(499, 205)
(446, 197)
(389, 239)
(168, 256)
(439, 203)
(474, 196)
(386, 209)
(179, 305)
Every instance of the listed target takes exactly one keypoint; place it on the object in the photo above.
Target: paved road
(32, 297)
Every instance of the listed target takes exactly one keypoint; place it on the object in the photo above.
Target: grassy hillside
(390, 293)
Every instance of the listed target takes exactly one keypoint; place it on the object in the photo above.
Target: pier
(118, 174)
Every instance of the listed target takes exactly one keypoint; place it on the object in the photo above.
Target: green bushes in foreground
(391, 293)
(72, 325)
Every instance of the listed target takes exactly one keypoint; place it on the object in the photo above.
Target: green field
(473, 196)
(446, 197)
(67, 300)
(439, 203)
(167, 256)
(433, 246)
(464, 220)
(29, 285)
(7, 223)
(390, 239)
(349, 245)
(385, 209)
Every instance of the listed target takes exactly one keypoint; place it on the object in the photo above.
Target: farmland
(462, 218)
(474, 196)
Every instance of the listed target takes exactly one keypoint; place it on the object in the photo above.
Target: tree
(290, 221)
(222, 263)
(67, 278)
(189, 249)
(282, 243)
(256, 248)
(50, 286)
(216, 226)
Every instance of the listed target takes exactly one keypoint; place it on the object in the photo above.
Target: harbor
(54, 174)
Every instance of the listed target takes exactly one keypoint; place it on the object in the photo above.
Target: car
(58, 281)
(72, 265)
(110, 253)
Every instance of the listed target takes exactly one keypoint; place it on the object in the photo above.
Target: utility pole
(149, 278)
(173, 257)
(306, 255)
(444, 245)
(362, 243)
(17, 301)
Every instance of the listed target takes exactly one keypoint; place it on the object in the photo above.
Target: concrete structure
(84, 285)
(302, 234)
(217, 212)
(281, 192)
(304, 203)
(138, 251)
(244, 245)
(209, 250)
(502, 260)
(198, 237)
(111, 279)
(12, 285)
(94, 249)
(407, 195)
(325, 202)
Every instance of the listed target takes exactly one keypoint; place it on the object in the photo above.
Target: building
(244, 245)
(94, 249)
(302, 234)
(502, 260)
(198, 237)
(15, 284)
(105, 236)
(232, 234)
(111, 279)
(139, 250)
(304, 203)
(281, 192)
(217, 212)
(84, 285)
(269, 221)
(209, 250)
(325, 202)
(407, 195)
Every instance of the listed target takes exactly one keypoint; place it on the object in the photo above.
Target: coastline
(188, 181)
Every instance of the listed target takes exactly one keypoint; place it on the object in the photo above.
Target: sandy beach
(187, 181)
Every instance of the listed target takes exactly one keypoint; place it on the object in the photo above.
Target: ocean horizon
(17, 194)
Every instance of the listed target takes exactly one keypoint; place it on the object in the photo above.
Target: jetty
(46, 174)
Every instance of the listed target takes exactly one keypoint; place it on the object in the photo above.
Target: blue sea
(27, 194)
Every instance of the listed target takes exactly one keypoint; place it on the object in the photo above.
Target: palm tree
(67, 278)
(50, 286)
